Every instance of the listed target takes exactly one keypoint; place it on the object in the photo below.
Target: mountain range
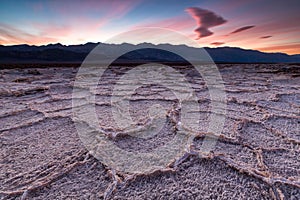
(58, 53)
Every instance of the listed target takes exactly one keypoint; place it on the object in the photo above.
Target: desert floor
(256, 156)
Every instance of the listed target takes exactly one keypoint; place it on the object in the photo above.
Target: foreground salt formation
(256, 157)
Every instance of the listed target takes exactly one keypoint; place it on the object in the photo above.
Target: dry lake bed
(255, 157)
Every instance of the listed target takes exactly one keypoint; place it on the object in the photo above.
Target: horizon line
(67, 45)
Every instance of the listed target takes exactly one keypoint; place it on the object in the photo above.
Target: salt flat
(256, 156)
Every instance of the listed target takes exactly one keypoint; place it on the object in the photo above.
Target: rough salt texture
(256, 156)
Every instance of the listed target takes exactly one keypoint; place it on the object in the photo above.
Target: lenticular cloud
(205, 20)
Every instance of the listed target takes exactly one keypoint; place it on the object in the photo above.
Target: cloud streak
(217, 43)
(265, 37)
(244, 28)
(11, 35)
(205, 20)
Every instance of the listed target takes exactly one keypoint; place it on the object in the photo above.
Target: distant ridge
(55, 53)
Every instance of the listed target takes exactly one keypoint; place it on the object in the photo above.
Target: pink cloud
(179, 23)
(52, 30)
(11, 35)
(217, 43)
(205, 19)
(241, 29)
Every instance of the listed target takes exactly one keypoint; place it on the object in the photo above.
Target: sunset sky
(265, 25)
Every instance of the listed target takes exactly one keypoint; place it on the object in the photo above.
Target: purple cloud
(265, 37)
(241, 29)
(205, 19)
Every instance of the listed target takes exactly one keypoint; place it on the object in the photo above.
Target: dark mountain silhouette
(77, 53)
